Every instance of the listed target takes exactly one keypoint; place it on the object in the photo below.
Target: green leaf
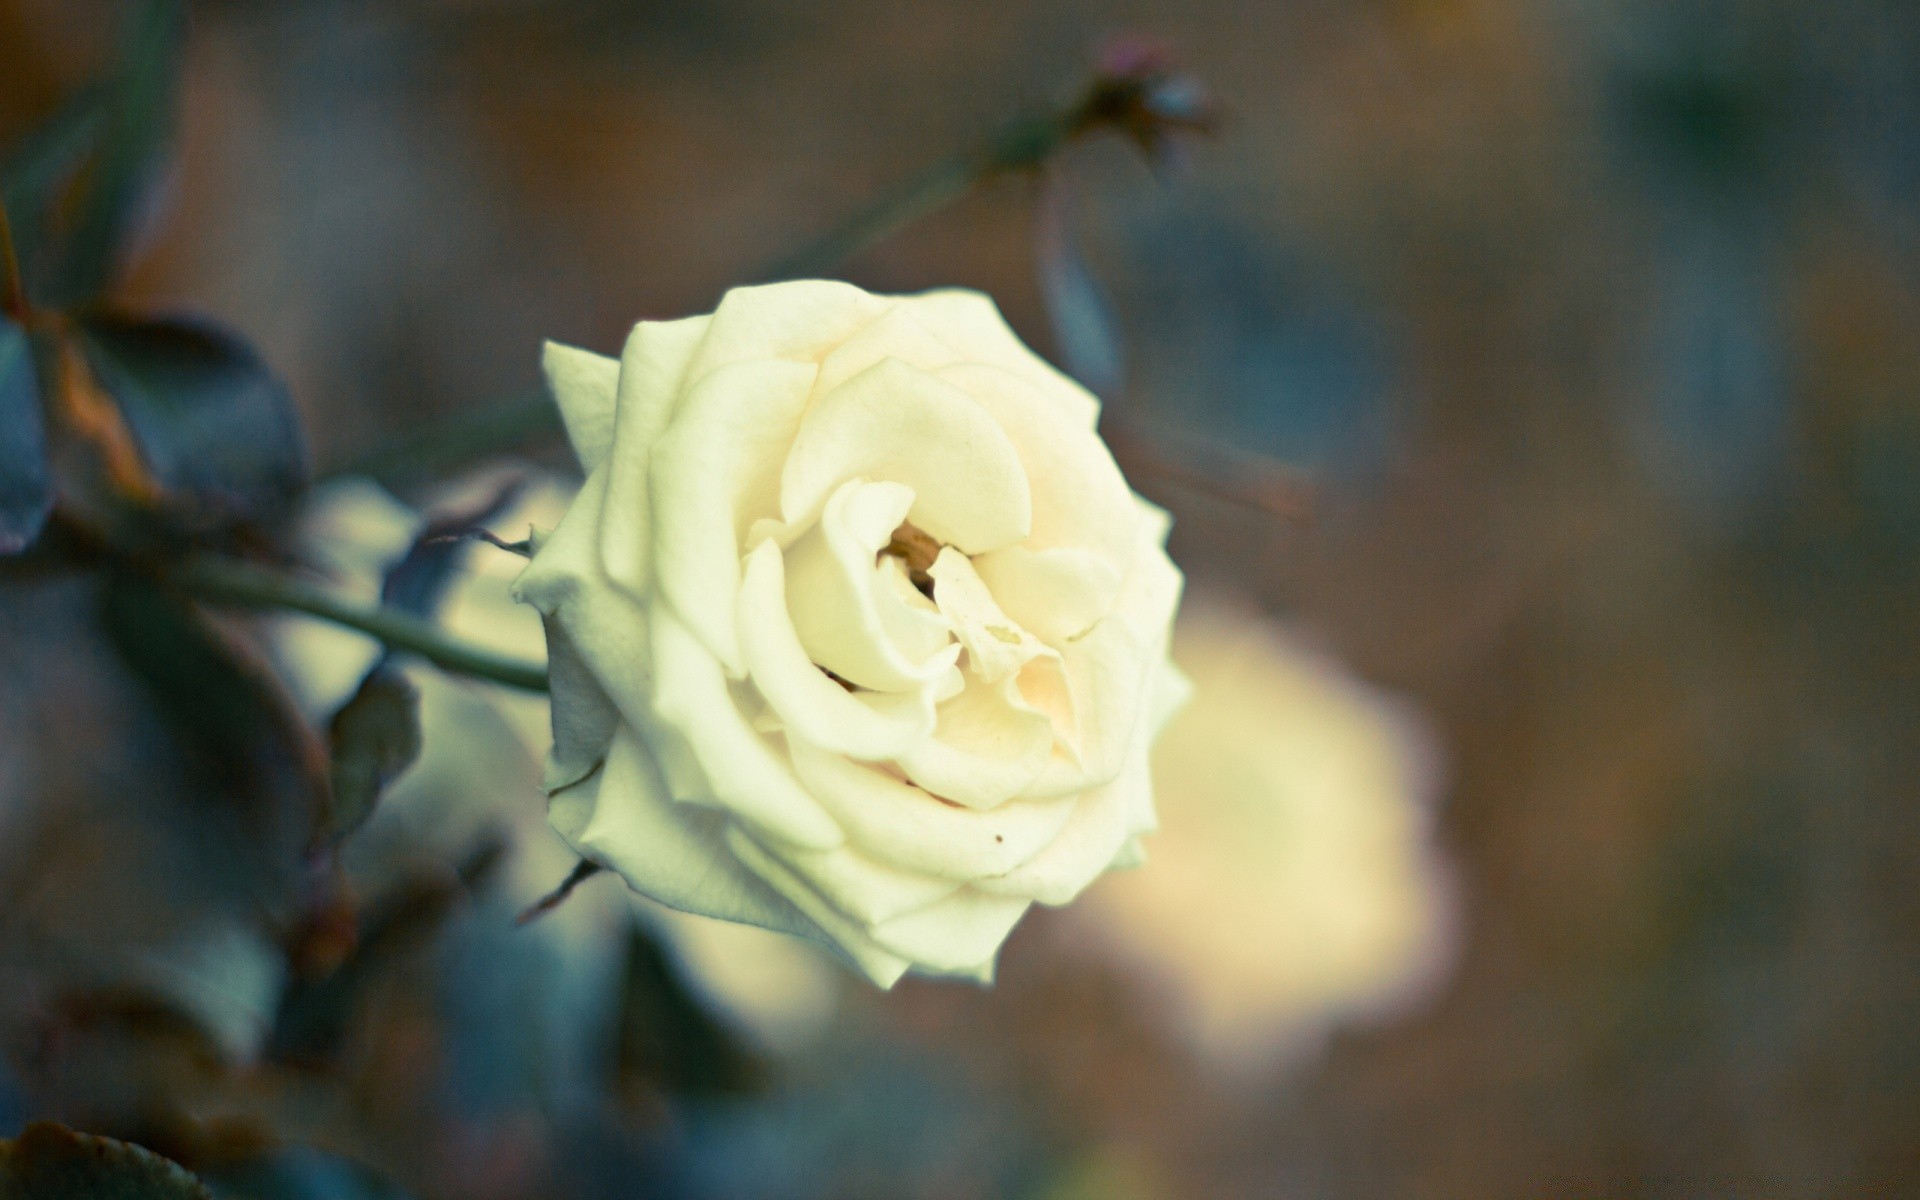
(26, 481)
(262, 765)
(375, 736)
(51, 1162)
(135, 130)
(39, 170)
(214, 426)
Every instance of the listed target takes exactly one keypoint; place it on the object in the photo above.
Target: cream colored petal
(970, 323)
(896, 422)
(957, 935)
(988, 745)
(1056, 594)
(899, 335)
(902, 824)
(852, 618)
(1111, 669)
(745, 774)
(1080, 498)
(996, 647)
(622, 818)
(653, 368)
(1102, 823)
(810, 706)
(799, 321)
(582, 384)
(714, 472)
(861, 887)
(882, 966)
(584, 720)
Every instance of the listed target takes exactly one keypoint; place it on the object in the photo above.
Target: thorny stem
(1025, 142)
(225, 581)
(13, 291)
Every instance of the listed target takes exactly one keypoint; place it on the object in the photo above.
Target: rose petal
(582, 384)
(902, 824)
(622, 818)
(836, 929)
(850, 613)
(971, 323)
(895, 422)
(863, 888)
(899, 335)
(653, 368)
(812, 707)
(1080, 498)
(1102, 823)
(690, 695)
(1056, 594)
(960, 934)
(714, 472)
(1111, 668)
(584, 720)
(988, 746)
(996, 646)
(799, 321)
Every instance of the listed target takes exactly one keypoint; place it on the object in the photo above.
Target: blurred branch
(1133, 93)
(13, 292)
(225, 581)
(456, 439)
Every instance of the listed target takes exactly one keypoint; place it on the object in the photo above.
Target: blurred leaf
(419, 581)
(1083, 323)
(26, 482)
(297, 1173)
(668, 1040)
(262, 762)
(374, 737)
(135, 127)
(51, 1162)
(40, 168)
(315, 1013)
(214, 426)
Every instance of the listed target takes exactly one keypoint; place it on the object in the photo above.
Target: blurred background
(1547, 824)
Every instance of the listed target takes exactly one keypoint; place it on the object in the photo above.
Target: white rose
(855, 630)
(1306, 804)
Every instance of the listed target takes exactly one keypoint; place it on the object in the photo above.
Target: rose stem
(225, 581)
(463, 436)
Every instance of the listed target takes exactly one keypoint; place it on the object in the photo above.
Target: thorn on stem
(582, 871)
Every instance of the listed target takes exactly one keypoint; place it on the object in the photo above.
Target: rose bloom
(855, 630)
(1300, 887)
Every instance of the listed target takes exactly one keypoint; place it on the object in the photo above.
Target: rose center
(917, 549)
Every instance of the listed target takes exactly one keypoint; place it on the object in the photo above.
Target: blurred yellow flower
(1292, 882)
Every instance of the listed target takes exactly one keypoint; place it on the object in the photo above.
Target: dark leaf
(668, 1041)
(1083, 323)
(216, 429)
(261, 762)
(135, 127)
(51, 1162)
(374, 737)
(419, 581)
(26, 482)
(316, 1012)
(296, 1173)
(40, 169)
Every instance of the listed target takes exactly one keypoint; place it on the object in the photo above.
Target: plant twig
(13, 290)
(582, 871)
(226, 581)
